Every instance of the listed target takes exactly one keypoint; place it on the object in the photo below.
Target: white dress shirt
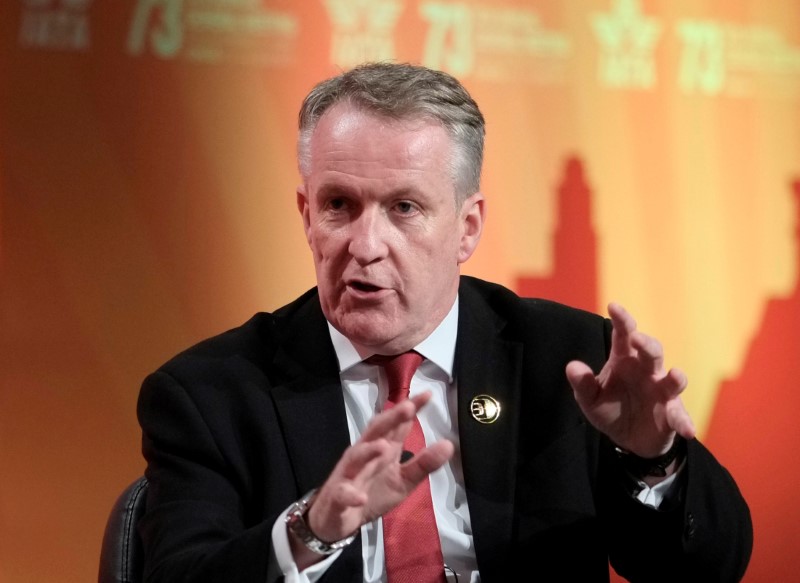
(365, 391)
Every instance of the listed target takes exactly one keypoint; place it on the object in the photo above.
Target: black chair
(121, 555)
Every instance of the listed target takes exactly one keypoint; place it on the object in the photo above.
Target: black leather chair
(121, 554)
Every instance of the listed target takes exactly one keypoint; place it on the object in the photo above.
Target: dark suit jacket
(240, 425)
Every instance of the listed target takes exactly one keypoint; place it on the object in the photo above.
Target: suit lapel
(308, 396)
(487, 364)
(309, 402)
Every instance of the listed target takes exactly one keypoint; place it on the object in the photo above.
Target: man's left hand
(634, 400)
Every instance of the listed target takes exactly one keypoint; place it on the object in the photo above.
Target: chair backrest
(121, 555)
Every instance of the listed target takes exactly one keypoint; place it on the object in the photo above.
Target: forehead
(348, 135)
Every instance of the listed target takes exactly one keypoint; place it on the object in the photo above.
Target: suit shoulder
(550, 331)
(253, 340)
(514, 308)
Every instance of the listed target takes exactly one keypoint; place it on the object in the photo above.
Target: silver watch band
(296, 522)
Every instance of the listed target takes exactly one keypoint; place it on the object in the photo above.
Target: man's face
(380, 217)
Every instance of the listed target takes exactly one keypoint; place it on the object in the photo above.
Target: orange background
(640, 151)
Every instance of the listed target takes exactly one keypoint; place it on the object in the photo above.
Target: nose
(368, 237)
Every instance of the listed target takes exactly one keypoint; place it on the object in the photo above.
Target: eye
(405, 207)
(336, 204)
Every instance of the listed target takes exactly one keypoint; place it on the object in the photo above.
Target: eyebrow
(335, 189)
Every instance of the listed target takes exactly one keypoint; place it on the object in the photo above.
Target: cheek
(445, 249)
(430, 264)
(328, 251)
(317, 240)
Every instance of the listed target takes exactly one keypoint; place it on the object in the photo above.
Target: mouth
(365, 291)
(363, 287)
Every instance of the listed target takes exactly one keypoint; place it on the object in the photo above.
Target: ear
(473, 214)
(304, 208)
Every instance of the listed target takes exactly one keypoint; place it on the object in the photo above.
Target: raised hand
(634, 400)
(369, 479)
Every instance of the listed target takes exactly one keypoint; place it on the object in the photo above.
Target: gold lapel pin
(484, 409)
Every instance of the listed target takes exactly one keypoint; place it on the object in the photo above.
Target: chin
(375, 335)
(371, 340)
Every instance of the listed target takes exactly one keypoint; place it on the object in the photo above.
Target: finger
(361, 456)
(420, 400)
(427, 461)
(679, 420)
(623, 326)
(390, 423)
(581, 378)
(395, 422)
(674, 383)
(649, 351)
(343, 488)
(619, 315)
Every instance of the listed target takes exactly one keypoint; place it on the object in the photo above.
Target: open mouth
(364, 287)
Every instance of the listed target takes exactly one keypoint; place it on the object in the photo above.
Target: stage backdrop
(643, 151)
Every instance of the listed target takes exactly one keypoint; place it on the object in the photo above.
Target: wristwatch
(296, 522)
(641, 467)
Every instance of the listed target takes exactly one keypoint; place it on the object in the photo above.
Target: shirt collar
(439, 347)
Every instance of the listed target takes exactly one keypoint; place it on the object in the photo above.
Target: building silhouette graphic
(574, 278)
(755, 433)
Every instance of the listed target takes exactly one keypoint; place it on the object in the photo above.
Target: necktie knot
(399, 369)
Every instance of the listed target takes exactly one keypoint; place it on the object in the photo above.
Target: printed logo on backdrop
(736, 60)
(61, 25)
(362, 30)
(493, 43)
(213, 31)
(627, 40)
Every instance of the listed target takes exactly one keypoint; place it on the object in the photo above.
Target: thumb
(582, 379)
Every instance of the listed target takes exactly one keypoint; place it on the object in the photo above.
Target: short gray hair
(403, 91)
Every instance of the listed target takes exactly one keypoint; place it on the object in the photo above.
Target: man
(527, 478)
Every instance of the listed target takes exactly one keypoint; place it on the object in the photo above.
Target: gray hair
(403, 91)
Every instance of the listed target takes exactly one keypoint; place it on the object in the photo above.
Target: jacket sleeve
(703, 535)
(200, 523)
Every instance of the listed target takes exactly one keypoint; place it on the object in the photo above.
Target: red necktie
(410, 537)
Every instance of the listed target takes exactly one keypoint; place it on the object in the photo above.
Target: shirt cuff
(654, 496)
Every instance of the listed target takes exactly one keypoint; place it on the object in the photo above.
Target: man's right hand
(369, 479)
